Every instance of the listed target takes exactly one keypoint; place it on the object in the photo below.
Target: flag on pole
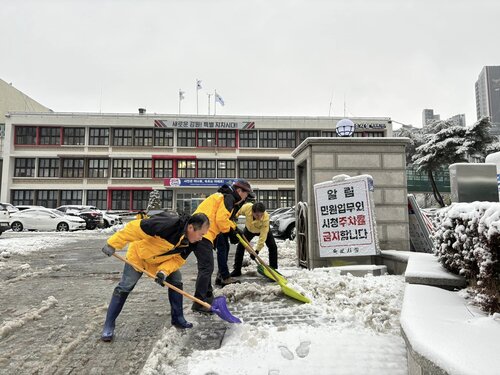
(219, 99)
(198, 84)
(181, 94)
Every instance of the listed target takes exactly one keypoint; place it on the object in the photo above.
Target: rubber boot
(176, 308)
(115, 307)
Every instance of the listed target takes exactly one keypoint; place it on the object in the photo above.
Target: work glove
(232, 235)
(161, 277)
(251, 255)
(108, 250)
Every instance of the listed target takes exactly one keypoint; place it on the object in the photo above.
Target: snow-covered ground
(351, 327)
(355, 330)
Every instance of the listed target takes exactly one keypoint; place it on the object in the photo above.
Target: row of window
(144, 137)
(156, 168)
(127, 199)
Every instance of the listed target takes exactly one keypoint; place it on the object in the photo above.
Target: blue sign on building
(183, 182)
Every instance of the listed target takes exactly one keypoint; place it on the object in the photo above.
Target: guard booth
(318, 160)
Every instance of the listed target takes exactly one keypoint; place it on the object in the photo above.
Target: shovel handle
(187, 295)
(249, 248)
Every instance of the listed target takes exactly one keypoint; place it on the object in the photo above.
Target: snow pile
(466, 242)
(25, 243)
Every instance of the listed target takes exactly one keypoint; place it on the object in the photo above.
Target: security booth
(471, 182)
(317, 161)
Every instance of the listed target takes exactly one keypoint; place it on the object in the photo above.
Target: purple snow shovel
(218, 306)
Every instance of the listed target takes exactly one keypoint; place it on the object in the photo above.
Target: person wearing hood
(160, 245)
(221, 208)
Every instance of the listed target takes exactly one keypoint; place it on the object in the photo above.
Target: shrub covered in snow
(467, 242)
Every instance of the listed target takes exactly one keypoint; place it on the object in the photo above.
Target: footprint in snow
(303, 349)
(286, 353)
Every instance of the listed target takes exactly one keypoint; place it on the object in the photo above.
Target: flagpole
(209, 95)
(197, 96)
(180, 101)
(215, 102)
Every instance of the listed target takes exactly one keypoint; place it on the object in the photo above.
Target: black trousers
(270, 243)
(204, 253)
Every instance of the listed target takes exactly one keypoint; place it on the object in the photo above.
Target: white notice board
(345, 220)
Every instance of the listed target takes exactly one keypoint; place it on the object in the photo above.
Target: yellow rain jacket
(155, 244)
(220, 207)
(260, 227)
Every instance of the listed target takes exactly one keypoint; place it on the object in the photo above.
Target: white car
(44, 220)
(109, 220)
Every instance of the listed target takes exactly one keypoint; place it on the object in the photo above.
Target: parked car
(44, 219)
(4, 218)
(22, 208)
(91, 215)
(283, 223)
(109, 220)
(10, 207)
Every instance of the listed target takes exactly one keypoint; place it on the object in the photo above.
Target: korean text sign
(344, 218)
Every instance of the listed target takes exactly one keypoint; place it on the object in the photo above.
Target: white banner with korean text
(345, 217)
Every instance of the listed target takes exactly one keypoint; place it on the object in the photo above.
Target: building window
(226, 138)
(48, 167)
(287, 139)
(268, 139)
(286, 169)
(22, 197)
(248, 169)
(248, 138)
(167, 199)
(72, 168)
(186, 168)
(121, 168)
(267, 169)
(97, 198)
(71, 197)
(329, 133)
(163, 168)
(25, 135)
(120, 200)
(206, 168)
(50, 136)
(98, 168)
(47, 198)
(140, 199)
(143, 137)
(303, 134)
(206, 138)
(286, 198)
(74, 136)
(99, 137)
(186, 138)
(142, 168)
(226, 168)
(269, 198)
(164, 137)
(122, 137)
(374, 134)
(24, 167)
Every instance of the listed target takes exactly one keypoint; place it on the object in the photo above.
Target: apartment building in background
(488, 96)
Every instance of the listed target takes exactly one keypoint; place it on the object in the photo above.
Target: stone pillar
(319, 159)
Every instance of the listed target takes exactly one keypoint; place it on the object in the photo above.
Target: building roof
(11, 99)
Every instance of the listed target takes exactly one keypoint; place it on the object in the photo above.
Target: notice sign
(344, 214)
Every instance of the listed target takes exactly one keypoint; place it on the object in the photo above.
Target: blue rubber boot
(115, 307)
(176, 310)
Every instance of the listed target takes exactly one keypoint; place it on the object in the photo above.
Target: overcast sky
(388, 58)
